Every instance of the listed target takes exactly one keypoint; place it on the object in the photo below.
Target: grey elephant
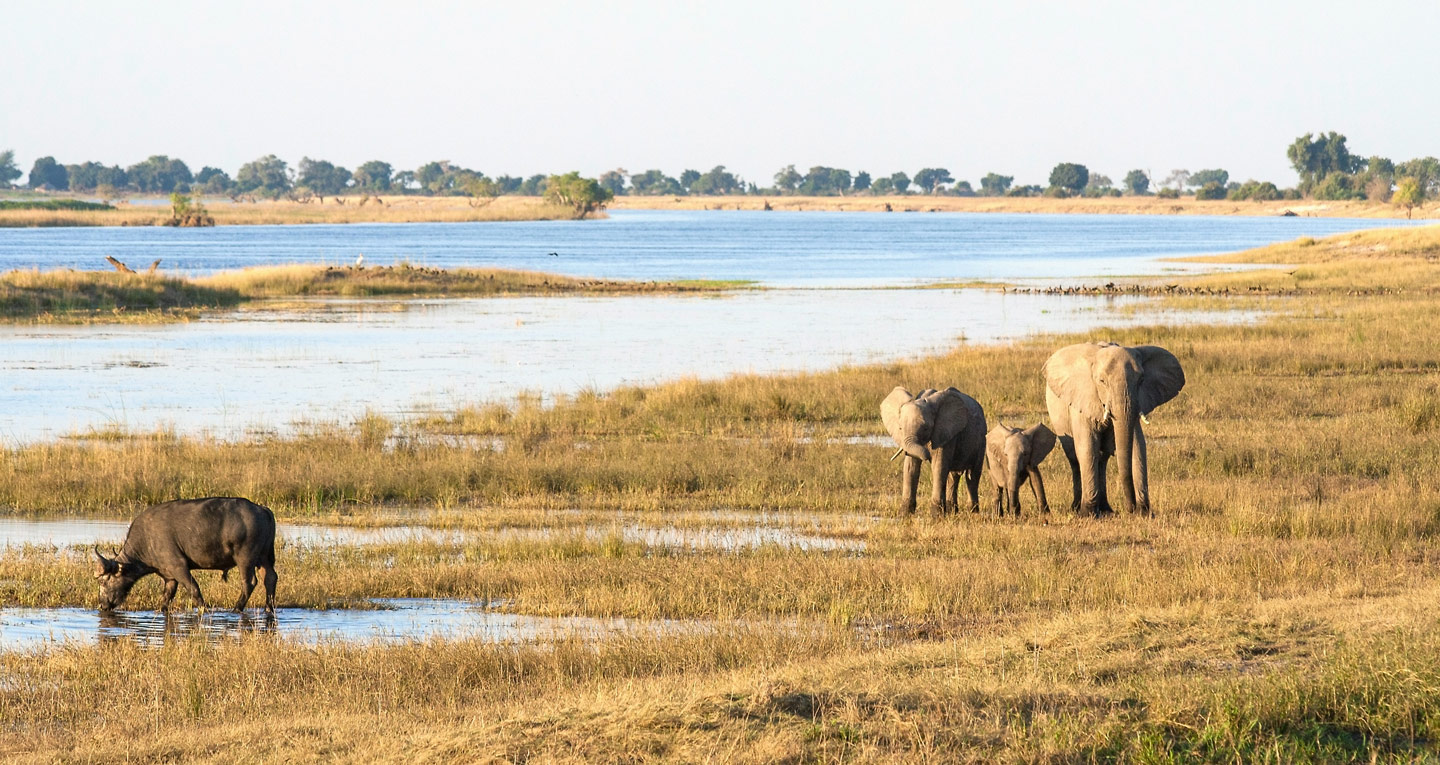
(1098, 394)
(946, 428)
(1013, 457)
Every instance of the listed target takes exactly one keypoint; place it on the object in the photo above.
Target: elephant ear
(890, 412)
(1042, 440)
(1161, 377)
(1068, 375)
(951, 417)
(995, 446)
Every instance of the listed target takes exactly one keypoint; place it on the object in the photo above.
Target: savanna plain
(1277, 607)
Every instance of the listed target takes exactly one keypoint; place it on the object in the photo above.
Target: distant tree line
(1326, 168)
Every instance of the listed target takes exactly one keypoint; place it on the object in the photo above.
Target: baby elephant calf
(174, 538)
(1014, 456)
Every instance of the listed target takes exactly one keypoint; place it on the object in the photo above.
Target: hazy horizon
(551, 88)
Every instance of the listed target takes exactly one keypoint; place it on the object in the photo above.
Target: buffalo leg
(269, 587)
(193, 588)
(169, 594)
(247, 586)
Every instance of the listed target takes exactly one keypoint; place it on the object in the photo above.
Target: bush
(1210, 192)
(1335, 187)
(1259, 191)
(1057, 192)
(1167, 194)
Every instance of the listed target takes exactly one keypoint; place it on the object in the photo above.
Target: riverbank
(1037, 205)
(68, 296)
(1279, 603)
(349, 209)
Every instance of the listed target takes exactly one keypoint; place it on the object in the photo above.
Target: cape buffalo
(174, 538)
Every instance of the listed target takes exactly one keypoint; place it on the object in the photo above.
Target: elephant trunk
(1012, 493)
(1123, 418)
(916, 449)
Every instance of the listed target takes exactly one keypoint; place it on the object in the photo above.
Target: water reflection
(392, 620)
(252, 371)
(69, 532)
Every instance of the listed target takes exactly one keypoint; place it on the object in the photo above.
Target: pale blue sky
(546, 87)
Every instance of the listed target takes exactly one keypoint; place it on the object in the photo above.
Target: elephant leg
(972, 487)
(1140, 470)
(910, 480)
(1092, 478)
(1105, 450)
(940, 459)
(953, 487)
(1000, 501)
(1067, 445)
(1037, 487)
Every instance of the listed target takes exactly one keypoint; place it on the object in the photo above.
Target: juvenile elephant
(1013, 457)
(1098, 394)
(945, 427)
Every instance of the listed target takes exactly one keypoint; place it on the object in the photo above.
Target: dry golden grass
(107, 296)
(396, 209)
(1101, 206)
(1278, 608)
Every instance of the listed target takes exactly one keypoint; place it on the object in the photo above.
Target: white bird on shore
(359, 259)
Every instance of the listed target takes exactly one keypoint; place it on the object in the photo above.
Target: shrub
(1167, 194)
(1210, 191)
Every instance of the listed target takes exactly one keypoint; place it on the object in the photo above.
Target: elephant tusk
(897, 453)
(1144, 419)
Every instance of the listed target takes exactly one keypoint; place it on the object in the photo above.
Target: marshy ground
(1278, 607)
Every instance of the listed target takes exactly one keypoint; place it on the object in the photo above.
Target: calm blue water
(789, 248)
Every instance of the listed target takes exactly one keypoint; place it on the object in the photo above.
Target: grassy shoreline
(68, 296)
(1278, 607)
(1038, 205)
(409, 209)
(386, 209)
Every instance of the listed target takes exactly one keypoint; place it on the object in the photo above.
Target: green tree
(840, 180)
(1425, 171)
(1318, 157)
(159, 174)
(583, 195)
(434, 177)
(963, 189)
(931, 178)
(8, 171)
(1069, 176)
(1099, 185)
(882, 186)
(862, 181)
(995, 185)
(900, 182)
(717, 181)
(321, 177)
(213, 180)
(614, 181)
(654, 183)
(534, 186)
(374, 176)
(267, 176)
(688, 179)
(788, 179)
(46, 173)
(1202, 177)
(1409, 194)
(1137, 183)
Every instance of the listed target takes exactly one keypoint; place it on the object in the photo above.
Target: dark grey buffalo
(174, 538)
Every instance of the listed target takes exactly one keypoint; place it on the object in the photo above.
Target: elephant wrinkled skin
(1097, 394)
(1013, 457)
(946, 428)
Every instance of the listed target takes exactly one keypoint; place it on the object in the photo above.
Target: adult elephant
(945, 427)
(1097, 394)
